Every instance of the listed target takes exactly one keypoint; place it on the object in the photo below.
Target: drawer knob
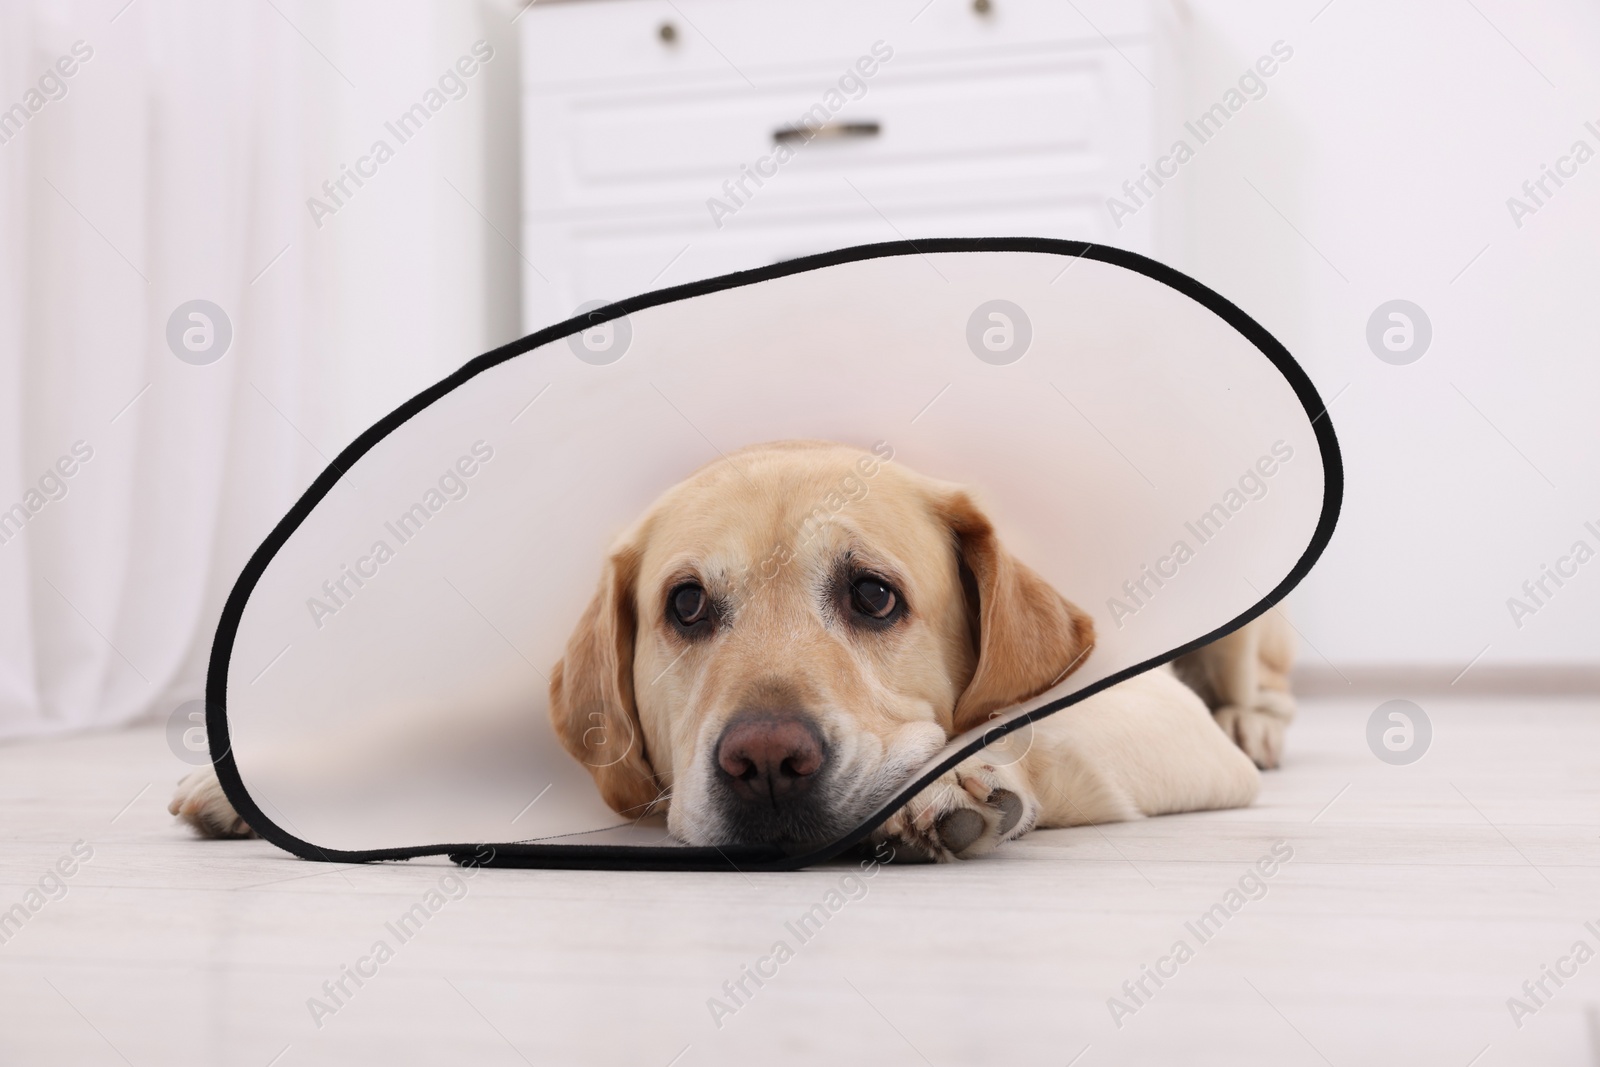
(667, 32)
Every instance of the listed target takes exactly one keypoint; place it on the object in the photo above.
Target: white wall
(1391, 142)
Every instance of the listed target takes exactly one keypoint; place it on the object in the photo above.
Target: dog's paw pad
(1011, 809)
(960, 830)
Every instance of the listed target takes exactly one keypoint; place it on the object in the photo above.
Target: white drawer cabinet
(669, 142)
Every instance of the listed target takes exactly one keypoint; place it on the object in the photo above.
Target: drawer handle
(829, 131)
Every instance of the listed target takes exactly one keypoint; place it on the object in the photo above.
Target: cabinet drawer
(566, 45)
(974, 122)
(687, 142)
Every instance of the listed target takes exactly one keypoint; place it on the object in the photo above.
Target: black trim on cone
(673, 857)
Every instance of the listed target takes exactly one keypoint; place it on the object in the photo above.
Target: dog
(765, 667)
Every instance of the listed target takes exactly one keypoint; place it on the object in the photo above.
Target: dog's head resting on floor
(785, 636)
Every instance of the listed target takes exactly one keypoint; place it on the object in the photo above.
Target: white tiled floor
(1415, 904)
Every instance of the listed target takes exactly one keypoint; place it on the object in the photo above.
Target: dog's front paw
(962, 814)
(1258, 731)
(200, 802)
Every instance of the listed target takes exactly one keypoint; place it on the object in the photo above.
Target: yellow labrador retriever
(784, 637)
(768, 667)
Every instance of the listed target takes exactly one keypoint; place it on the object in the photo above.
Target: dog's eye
(688, 605)
(873, 597)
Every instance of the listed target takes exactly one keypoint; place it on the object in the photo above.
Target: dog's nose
(769, 759)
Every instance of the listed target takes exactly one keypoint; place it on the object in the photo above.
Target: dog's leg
(200, 802)
(1145, 747)
(1244, 679)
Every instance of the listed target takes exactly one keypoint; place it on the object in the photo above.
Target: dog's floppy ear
(1027, 635)
(591, 693)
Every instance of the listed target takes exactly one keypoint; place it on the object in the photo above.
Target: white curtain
(155, 153)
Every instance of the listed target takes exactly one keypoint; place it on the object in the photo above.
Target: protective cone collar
(377, 686)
